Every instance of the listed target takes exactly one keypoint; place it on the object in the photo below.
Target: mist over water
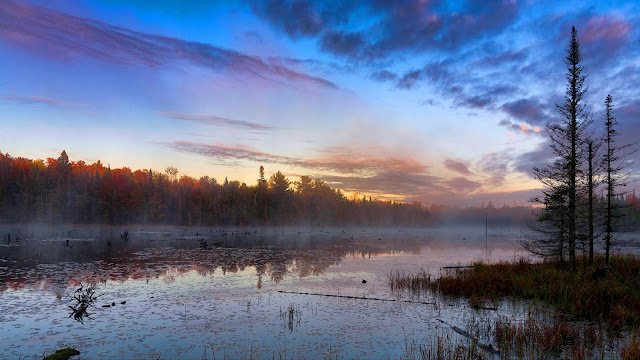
(191, 291)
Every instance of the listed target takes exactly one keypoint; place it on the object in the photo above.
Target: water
(187, 300)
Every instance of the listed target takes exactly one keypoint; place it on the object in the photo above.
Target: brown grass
(631, 350)
(588, 292)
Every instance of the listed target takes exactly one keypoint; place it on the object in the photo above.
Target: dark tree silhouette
(561, 180)
(591, 158)
(568, 136)
(616, 176)
(551, 231)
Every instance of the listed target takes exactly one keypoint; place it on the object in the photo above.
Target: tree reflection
(44, 264)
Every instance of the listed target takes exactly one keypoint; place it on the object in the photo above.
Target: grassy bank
(591, 292)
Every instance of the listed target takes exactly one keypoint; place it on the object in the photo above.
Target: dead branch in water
(355, 297)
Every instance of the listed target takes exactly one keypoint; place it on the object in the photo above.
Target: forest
(57, 190)
(61, 191)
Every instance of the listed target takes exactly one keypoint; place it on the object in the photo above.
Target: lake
(205, 293)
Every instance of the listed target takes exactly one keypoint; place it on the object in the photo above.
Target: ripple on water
(184, 301)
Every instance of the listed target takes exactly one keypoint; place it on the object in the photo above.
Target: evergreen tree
(561, 181)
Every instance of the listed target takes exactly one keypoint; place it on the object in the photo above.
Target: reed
(591, 292)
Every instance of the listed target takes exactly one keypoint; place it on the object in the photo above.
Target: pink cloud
(607, 28)
(39, 100)
(53, 34)
(457, 165)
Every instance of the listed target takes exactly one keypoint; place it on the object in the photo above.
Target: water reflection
(99, 255)
(244, 290)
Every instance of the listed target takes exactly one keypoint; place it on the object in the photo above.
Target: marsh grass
(292, 316)
(631, 349)
(595, 310)
(539, 337)
(439, 347)
(591, 292)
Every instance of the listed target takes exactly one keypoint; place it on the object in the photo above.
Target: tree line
(61, 191)
(588, 161)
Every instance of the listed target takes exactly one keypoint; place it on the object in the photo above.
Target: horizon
(354, 196)
(387, 101)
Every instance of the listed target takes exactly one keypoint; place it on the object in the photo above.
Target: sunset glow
(414, 101)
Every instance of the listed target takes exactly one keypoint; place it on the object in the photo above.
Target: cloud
(463, 88)
(383, 76)
(476, 101)
(54, 34)
(463, 184)
(606, 30)
(329, 67)
(350, 170)
(344, 168)
(409, 79)
(401, 27)
(628, 116)
(334, 159)
(39, 100)
(387, 183)
(340, 42)
(354, 171)
(457, 165)
(521, 128)
(498, 198)
(602, 35)
(502, 58)
(430, 102)
(528, 110)
(539, 157)
(297, 18)
(216, 120)
(496, 165)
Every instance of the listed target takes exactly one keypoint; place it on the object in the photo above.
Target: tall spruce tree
(560, 179)
(569, 135)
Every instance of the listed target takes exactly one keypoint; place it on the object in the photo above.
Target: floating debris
(84, 297)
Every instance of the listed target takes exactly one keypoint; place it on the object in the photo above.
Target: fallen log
(356, 297)
(485, 347)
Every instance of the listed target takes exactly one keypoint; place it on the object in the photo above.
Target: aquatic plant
(292, 315)
(62, 354)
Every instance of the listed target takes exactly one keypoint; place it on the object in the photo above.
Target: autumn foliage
(61, 191)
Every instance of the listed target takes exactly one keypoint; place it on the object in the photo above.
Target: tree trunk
(590, 188)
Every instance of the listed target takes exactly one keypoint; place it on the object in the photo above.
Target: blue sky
(442, 102)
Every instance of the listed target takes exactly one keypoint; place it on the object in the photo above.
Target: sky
(432, 101)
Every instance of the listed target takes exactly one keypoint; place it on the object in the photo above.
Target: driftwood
(84, 297)
(486, 347)
(457, 267)
(355, 297)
